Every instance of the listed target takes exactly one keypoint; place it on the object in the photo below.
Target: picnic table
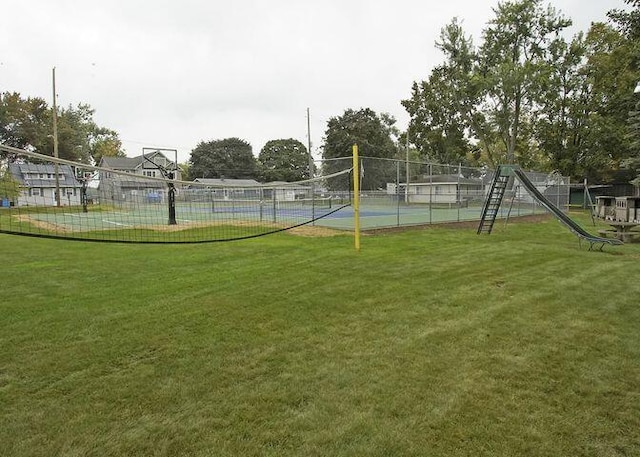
(621, 230)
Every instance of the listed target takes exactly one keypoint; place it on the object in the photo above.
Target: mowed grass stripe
(427, 342)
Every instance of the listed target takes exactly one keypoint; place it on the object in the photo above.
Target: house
(38, 183)
(127, 181)
(225, 189)
(285, 191)
(440, 190)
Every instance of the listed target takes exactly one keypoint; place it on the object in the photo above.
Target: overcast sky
(174, 73)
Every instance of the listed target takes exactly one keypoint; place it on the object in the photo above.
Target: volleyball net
(56, 198)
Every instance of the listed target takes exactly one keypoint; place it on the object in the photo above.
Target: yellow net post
(356, 197)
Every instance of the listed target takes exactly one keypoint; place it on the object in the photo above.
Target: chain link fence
(396, 193)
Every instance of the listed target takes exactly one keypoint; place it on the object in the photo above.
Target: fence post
(356, 197)
(398, 193)
(430, 193)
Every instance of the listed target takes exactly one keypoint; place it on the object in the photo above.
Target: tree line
(527, 93)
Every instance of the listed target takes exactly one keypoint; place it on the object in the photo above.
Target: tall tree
(226, 158)
(28, 124)
(284, 160)
(486, 96)
(628, 25)
(561, 119)
(374, 134)
(513, 64)
(24, 122)
(610, 78)
(440, 108)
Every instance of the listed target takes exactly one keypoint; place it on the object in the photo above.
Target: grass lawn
(434, 342)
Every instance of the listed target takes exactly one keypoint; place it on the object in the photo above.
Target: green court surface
(373, 214)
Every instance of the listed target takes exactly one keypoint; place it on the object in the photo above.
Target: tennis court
(373, 214)
(377, 215)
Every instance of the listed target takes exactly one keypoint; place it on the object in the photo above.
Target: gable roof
(133, 163)
(223, 182)
(447, 179)
(120, 163)
(20, 172)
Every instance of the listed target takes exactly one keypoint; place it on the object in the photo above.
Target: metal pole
(313, 206)
(55, 139)
(356, 197)
(309, 144)
(398, 193)
(458, 193)
(430, 193)
(406, 192)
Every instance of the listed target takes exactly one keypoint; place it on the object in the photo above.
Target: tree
(28, 124)
(185, 170)
(9, 187)
(527, 95)
(284, 160)
(513, 64)
(562, 118)
(628, 22)
(487, 96)
(227, 158)
(610, 78)
(440, 107)
(628, 25)
(374, 136)
(24, 123)
(105, 143)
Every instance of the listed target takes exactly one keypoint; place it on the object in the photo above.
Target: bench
(623, 236)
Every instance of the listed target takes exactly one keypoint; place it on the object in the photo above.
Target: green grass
(432, 342)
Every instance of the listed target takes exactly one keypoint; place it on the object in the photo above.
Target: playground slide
(559, 214)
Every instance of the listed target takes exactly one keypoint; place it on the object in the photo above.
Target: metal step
(494, 200)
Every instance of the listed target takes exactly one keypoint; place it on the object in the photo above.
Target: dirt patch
(314, 231)
(304, 230)
(48, 226)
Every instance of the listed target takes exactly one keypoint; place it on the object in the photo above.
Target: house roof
(447, 179)
(287, 185)
(20, 172)
(120, 163)
(133, 183)
(223, 182)
(133, 163)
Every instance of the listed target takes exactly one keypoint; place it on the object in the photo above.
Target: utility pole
(55, 140)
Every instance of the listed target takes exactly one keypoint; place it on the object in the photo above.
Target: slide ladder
(489, 213)
(494, 199)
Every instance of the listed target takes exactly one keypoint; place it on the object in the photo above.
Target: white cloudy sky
(174, 73)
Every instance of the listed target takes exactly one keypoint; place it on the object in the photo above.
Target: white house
(226, 189)
(38, 183)
(440, 190)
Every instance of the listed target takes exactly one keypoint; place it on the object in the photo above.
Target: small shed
(606, 207)
(627, 209)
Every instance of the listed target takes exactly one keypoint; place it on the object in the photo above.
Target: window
(35, 192)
